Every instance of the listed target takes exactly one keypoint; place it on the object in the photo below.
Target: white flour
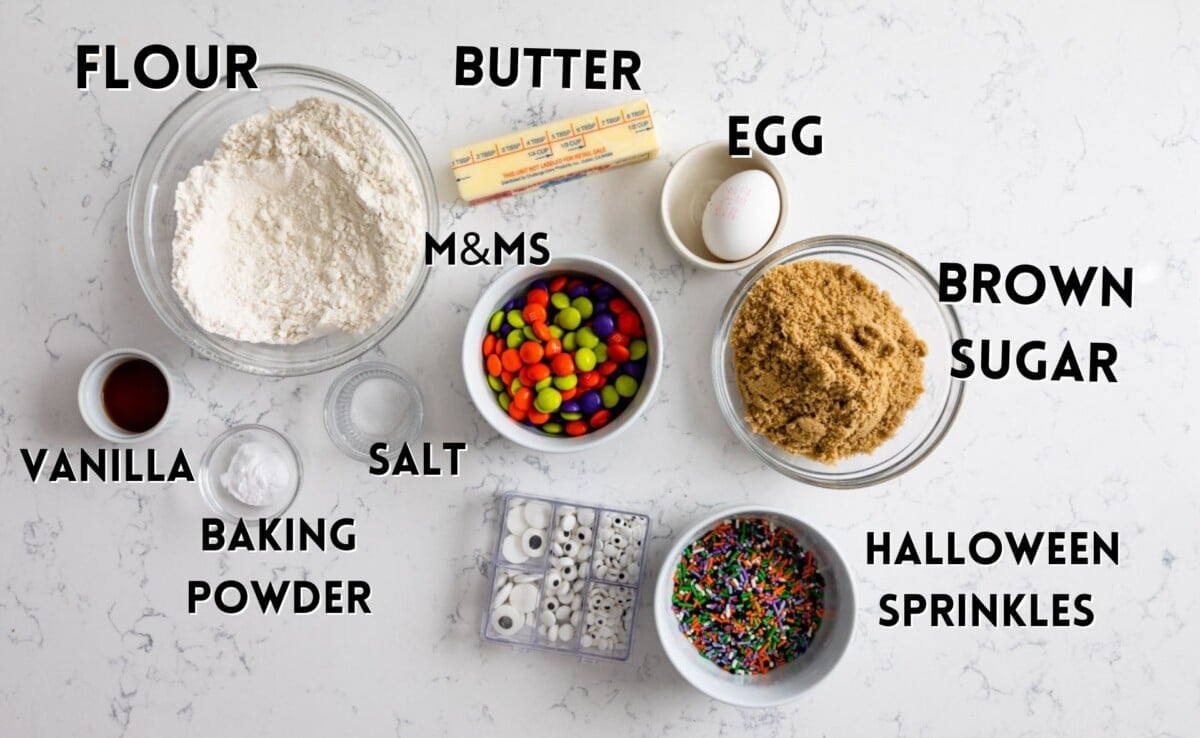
(305, 219)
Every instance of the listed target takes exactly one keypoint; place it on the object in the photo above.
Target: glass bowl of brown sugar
(832, 362)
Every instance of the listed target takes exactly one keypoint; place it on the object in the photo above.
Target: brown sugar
(826, 363)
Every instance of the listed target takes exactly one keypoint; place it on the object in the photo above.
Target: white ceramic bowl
(688, 188)
(510, 284)
(91, 400)
(786, 682)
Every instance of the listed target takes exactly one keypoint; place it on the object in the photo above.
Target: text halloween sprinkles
(748, 596)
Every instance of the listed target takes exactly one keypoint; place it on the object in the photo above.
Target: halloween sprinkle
(748, 596)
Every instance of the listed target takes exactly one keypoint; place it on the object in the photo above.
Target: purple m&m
(603, 325)
(590, 401)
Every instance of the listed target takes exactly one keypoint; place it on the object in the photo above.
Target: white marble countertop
(991, 132)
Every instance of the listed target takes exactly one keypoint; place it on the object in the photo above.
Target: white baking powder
(306, 219)
(257, 475)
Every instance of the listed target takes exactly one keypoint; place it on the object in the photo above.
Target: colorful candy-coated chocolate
(567, 356)
(590, 402)
(604, 325)
(563, 364)
(585, 359)
(548, 400)
(531, 352)
(626, 386)
(567, 381)
(583, 305)
(609, 396)
(568, 318)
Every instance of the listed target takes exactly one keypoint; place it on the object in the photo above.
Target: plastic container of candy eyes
(566, 577)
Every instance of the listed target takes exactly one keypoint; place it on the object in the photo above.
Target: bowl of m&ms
(563, 356)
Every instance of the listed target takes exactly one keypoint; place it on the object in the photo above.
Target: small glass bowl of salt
(250, 471)
(372, 403)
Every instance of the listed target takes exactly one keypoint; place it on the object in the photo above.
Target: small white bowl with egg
(722, 212)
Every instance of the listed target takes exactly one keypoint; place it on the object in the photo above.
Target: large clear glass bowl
(188, 137)
(914, 290)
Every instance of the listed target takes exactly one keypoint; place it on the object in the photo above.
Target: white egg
(741, 215)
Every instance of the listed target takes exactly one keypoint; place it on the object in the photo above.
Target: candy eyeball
(537, 514)
(512, 550)
(533, 542)
(514, 521)
(506, 621)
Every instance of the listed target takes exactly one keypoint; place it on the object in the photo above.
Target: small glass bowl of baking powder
(372, 403)
(250, 471)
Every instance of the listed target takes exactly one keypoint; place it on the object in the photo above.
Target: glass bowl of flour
(280, 230)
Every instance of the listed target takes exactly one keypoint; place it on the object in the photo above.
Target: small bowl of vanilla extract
(125, 395)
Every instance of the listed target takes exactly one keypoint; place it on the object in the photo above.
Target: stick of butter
(553, 153)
